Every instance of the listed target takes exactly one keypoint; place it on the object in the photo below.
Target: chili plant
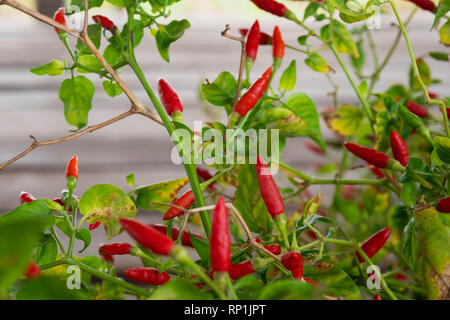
(382, 235)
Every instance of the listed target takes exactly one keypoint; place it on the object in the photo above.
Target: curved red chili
(293, 261)
(399, 148)
(252, 43)
(148, 237)
(94, 225)
(263, 39)
(268, 188)
(241, 269)
(220, 240)
(104, 22)
(427, 5)
(60, 17)
(113, 249)
(252, 96)
(185, 237)
(377, 172)
(271, 6)
(277, 44)
(72, 168)
(417, 109)
(374, 243)
(443, 205)
(32, 271)
(275, 249)
(147, 275)
(170, 99)
(372, 156)
(26, 197)
(186, 200)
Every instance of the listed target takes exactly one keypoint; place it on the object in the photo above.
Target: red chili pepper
(314, 148)
(72, 168)
(220, 240)
(263, 39)
(238, 270)
(252, 43)
(311, 234)
(373, 244)
(60, 16)
(147, 275)
(26, 197)
(348, 191)
(293, 261)
(205, 175)
(170, 99)
(399, 148)
(400, 276)
(105, 22)
(148, 237)
(417, 109)
(186, 200)
(268, 189)
(433, 95)
(311, 281)
(113, 249)
(275, 249)
(277, 44)
(94, 225)
(271, 6)
(377, 297)
(443, 205)
(108, 258)
(32, 271)
(252, 96)
(424, 4)
(373, 157)
(185, 238)
(376, 171)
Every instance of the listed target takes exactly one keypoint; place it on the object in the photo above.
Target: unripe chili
(60, 17)
(220, 240)
(399, 148)
(148, 237)
(115, 249)
(293, 261)
(105, 22)
(148, 276)
(32, 271)
(26, 197)
(252, 43)
(186, 200)
(185, 237)
(268, 188)
(374, 243)
(443, 205)
(263, 39)
(170, 100)
(239, 270)
(72, 168)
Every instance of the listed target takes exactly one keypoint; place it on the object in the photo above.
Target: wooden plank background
(29, 104)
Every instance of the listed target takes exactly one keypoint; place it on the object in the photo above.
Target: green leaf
(346, 120)
(408, 194)
(442, 10)
(442, 56)
(302, 40)
(53, 68)
(107, 203)
(398, 218)
(35, 213)
(347, 14)
(289, 77)
(162, 192)
(249, 202)
(89, 64)
(112, 55)
(310, 10)
(202, 248)
(47, 252)
(85, 236)
(283, 119)
(425, 75)
(398, 91)
(49, 288)
(444, 33)
(179, 289)
(112, 89)
(91, 3)
(130, 180)
(287, 290)
(248, 287)
(137, 30)
(222, 91)
(342, 38)
(349, 209)
(304, 108)
(358, 62)
(317, 63)
(442, 148)
(375, 202)
(76, 94)
(168, 34)
(95, 34)
(409, 250)
(337, 282)
(382, 131)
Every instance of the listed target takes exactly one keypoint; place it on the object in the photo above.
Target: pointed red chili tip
(374, 243)
(148, 237)
(186, 200)
(293, 261)
(104, 22)
(268, 188)
(443, 205)
(372, 156)
(32, 271)
(169, 98)
(220, 239)
(263, 39)
(147, 275)
(253, 39)
(60, 16)
(115, 249)
(271, 6)
(277, 44)
(399, 148)
(26, 197)
(94, 225)
(72, 168)
(417, 109)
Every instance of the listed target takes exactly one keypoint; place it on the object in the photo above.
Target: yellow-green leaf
(346, 120)
(444, 33)
(317, 63)
(342, 38)
(162, 192)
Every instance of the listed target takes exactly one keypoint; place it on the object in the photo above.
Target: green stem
(296, 49)
(58, 241)
(404, 285)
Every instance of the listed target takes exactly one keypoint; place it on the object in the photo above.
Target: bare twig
(241, 39)
(86, 19)
(35, 144)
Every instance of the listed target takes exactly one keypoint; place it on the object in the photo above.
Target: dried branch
(241, 39)
(89, 129)
(86, 18)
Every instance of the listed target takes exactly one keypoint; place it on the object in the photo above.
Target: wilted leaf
(162, 192)
(346, 120)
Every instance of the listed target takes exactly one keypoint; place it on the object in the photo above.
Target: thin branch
(86, 19)
(35, 144)
(241, 39)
